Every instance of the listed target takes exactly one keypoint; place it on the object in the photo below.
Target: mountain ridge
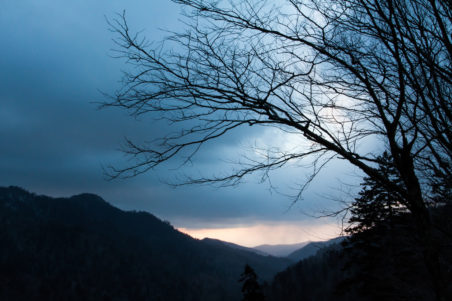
(280, 250)
(83, 248)
(233, 245)
(311, 248)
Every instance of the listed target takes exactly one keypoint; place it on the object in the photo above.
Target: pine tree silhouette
(251, 289)
(376, 203)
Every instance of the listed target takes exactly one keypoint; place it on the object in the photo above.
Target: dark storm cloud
(54, 60)
(51, 70)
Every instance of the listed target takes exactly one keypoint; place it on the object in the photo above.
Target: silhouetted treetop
(251, 289)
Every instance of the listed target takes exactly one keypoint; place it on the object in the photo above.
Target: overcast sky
(55, 59)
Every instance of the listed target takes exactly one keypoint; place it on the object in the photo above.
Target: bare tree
(338, 73)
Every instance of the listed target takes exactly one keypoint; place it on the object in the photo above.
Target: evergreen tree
(441, 189)
(251, 289)
(383, 258)
(376, 203)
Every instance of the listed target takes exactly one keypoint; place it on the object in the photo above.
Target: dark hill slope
(280, 250)
(312, 248)
(385, 262)
(82, 248)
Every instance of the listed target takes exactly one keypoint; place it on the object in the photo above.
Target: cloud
(54, 141)
(270, 233)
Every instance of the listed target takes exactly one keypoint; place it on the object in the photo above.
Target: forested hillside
(384, 262)
(82, 248)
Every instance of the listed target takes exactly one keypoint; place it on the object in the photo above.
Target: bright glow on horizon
(277, 233)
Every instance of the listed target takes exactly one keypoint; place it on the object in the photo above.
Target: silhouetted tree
(337, 73)
(251, 289)
(371, 252)
(376, 205)
(384, 258)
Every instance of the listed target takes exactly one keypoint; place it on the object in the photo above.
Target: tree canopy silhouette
(337, 73)
(251, 289)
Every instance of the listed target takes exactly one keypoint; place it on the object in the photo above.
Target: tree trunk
(424, 226)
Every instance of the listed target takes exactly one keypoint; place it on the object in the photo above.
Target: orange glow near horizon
(277, 233)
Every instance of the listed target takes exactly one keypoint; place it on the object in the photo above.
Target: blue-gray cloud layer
(54, 60)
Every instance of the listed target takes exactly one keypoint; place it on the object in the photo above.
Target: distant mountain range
(311, 249)
(82, 248)
(217, 242)
(280, 250)
(293, 252)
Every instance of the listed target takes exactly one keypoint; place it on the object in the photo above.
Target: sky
(55, 62)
